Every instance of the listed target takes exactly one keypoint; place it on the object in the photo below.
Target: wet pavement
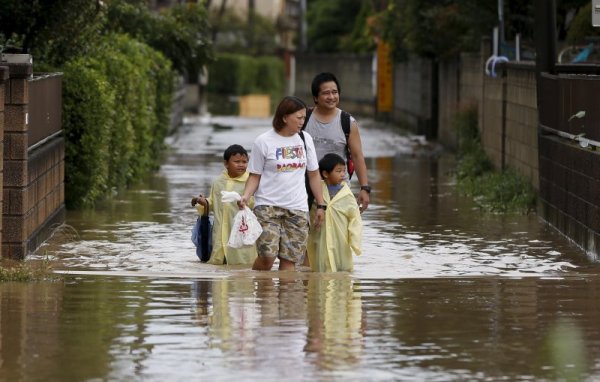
(442, 291)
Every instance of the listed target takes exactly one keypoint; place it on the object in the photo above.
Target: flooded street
(442, 291)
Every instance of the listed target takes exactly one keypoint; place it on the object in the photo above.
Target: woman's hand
(242, 202)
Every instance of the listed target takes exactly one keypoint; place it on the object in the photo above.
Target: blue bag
(202, 236)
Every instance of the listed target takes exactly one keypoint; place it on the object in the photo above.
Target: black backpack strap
(301, 134)
(309, 111)
(346, 124)
(345, 120)
(311, 197)
(346, 128)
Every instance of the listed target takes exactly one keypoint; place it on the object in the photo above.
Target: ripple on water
(416, 226)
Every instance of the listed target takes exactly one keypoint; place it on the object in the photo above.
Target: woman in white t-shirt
(278, 162)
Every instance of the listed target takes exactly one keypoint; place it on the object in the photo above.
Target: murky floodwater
(441, 292)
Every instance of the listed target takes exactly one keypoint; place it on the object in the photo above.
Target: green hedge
(88, 117)
(117, 104)
(237, 74)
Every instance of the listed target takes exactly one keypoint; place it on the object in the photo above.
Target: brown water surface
(441, 292)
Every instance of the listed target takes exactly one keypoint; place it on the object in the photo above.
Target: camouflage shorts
(285, 233)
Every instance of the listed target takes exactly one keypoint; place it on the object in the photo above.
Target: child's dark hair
(329, 161)
(233, 150)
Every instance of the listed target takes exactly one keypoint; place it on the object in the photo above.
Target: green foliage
(465, 125)
(360, 39)
(116, 128)
(234, 34)
(436, 29)
(270, 76)
(117, 90)
(500, 192)
(180, 32)
(18, 271)
(55, 32)
(332, 24)
(240, 74)
(473, 163)
(52, 31)
(88, 117)
(581, 26)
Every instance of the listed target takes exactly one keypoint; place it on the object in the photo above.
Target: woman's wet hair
(329, 161)
(287, 106)
(233, 150)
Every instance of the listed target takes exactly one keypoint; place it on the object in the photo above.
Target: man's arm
(355, 146)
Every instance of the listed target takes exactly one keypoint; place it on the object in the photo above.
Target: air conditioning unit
(596, 13)
(16, 58)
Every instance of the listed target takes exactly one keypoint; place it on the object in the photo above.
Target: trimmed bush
(135, 95)
(237, 74)
(88, 117)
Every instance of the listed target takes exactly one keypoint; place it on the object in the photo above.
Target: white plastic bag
(245, 229)
(230, 196)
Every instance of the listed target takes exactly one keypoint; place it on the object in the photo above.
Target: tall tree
(333, 25)
(52, 30)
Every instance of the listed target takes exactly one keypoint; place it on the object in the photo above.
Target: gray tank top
(328, 137)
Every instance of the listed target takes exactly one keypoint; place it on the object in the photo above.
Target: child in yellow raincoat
(233, 178)
(330, 247)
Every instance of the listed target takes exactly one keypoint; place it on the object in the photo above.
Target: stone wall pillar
(16, 223)
(3, 81)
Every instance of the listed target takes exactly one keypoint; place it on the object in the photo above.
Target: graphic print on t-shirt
(290, 158)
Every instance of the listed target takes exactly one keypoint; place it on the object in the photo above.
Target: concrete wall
(412, 93)
(521, 122)
(353, 71)
(566, 176)
(506, 105)
(33, 177)
(460, 87)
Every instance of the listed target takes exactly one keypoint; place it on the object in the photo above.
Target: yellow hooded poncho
(223, 219)
(330, 248)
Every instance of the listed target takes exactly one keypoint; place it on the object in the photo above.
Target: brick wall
(33, 187)
(3, 85)
(15, 222)
(570, 174)
(569, 184)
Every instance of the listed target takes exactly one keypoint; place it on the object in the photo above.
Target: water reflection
(322, 327)
(242, 317)
(335, 323)
(441, 292)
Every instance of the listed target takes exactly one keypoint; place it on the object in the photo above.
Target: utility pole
(251, 22)
(545, 40)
